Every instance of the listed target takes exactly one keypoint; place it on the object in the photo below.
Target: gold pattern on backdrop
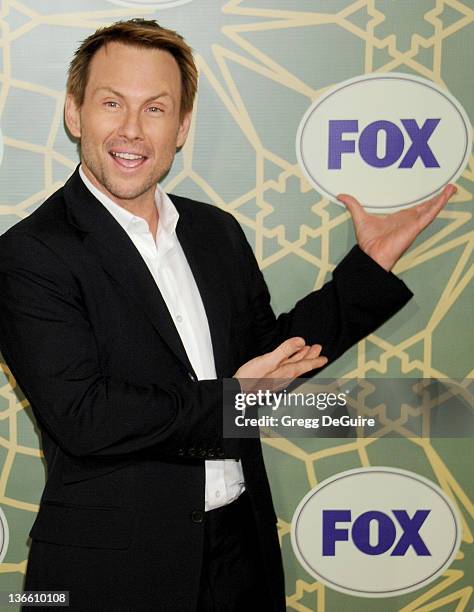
(452, 237)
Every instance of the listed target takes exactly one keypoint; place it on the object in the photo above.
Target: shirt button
(218, 493)
(179, 319)
(197, 516)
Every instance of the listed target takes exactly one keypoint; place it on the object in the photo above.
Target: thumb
(353, 206)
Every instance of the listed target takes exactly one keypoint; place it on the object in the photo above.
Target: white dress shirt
(168, 265)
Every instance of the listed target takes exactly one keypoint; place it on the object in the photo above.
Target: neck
(143, 206)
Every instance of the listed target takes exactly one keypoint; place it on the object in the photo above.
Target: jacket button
(197, 516)
(191, 376)
(180, 452)
(202, 453)
(191, 452)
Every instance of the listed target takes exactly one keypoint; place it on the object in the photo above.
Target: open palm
(386, 238)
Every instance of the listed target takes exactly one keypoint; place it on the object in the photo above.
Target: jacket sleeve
(49, 345)
(360, 297)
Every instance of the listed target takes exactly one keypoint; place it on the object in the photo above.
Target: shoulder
(208, 219)
(36, 234)
(49, 217)
(196, 210)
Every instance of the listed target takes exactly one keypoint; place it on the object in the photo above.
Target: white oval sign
(375, 532)
(4, 535)
(150, 4)
(391, 140)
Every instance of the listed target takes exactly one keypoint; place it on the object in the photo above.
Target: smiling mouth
(127, 160)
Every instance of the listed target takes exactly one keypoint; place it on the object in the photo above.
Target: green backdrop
(262, 63)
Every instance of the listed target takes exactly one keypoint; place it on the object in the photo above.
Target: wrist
(381, 259)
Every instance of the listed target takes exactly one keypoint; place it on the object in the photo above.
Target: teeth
(127, 155)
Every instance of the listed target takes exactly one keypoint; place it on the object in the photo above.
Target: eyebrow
(163, 94)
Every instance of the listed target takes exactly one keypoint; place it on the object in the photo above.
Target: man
(121, 311)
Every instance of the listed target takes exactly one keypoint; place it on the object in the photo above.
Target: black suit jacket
(125, 425)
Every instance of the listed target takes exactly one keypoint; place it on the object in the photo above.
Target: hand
(290, 359)
(386, 238)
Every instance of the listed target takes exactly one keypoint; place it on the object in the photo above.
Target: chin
(127, 194)
(126, 191)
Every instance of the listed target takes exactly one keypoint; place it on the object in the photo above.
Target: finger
(430, 209)
(439, 200)
(353, 206)
(315, 351)
(283, 352)
(290, 371)
(307, 352)
(301, 354)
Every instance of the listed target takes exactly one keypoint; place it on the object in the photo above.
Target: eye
(155, 110)
(111, 104)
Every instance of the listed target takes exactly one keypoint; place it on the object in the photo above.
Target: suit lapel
(203, 261)
(121, 260)
(109, 242)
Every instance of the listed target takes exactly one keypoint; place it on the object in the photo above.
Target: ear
(183, 130)
(72, 116)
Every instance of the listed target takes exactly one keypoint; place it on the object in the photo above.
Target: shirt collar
(168, 215)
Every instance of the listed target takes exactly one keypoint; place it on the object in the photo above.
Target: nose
(131, 127)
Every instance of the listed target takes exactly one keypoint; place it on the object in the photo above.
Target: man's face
(129, 124)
